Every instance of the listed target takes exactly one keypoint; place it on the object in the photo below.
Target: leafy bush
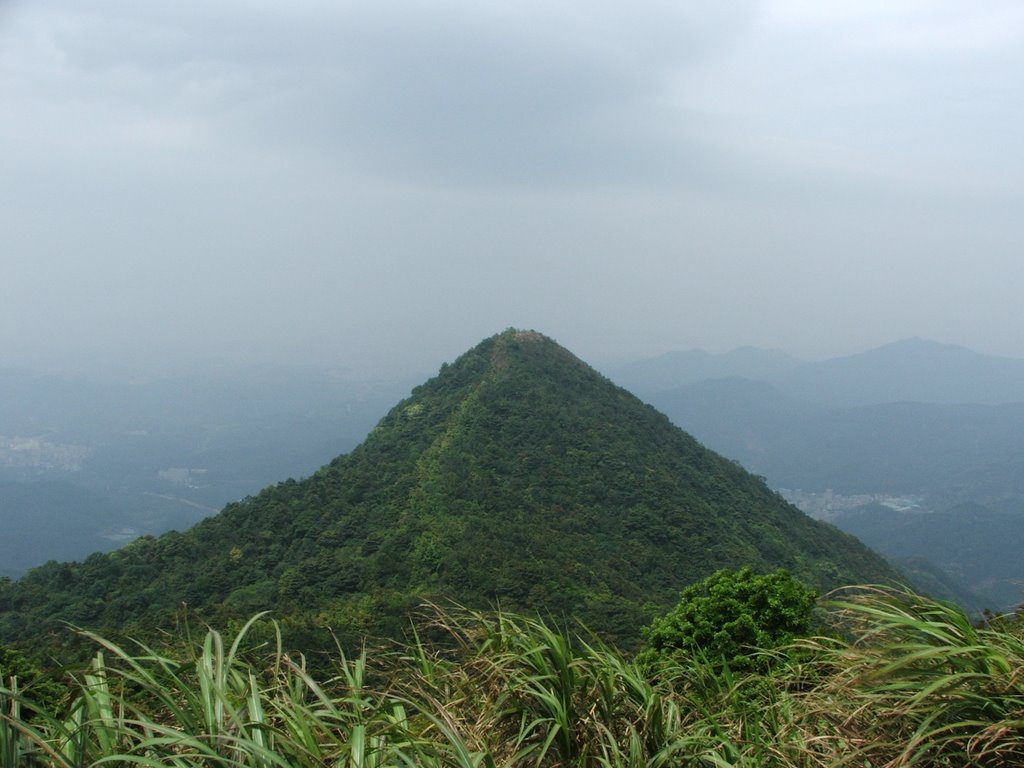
(730, 616)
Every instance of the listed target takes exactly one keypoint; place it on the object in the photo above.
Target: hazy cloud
(385, 183)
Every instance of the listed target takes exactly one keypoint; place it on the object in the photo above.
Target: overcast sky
(382, 184)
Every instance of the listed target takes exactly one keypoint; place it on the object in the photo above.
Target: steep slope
(518, 475)
(83, 462)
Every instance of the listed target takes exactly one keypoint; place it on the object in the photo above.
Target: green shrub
(729, 617)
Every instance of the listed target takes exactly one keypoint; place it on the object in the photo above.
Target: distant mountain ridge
(960, 451)
(674, 369)
(908, 370)
(517, 475)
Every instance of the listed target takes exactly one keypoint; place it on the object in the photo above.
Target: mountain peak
(525, 354)
(517, 475)
(526, 345)
(676, 369)
(526, 336)
(917, 344)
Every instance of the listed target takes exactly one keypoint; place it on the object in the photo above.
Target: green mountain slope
(517, 476)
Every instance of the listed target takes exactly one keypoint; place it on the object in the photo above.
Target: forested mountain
(518, 475)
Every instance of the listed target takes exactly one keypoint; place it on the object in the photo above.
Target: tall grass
(912, 683)
(917, 683)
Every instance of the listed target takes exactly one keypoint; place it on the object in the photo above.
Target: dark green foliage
(730, 616)
(17, 672)
(518, 476)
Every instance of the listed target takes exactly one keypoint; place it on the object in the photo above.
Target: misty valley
(87, 466)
